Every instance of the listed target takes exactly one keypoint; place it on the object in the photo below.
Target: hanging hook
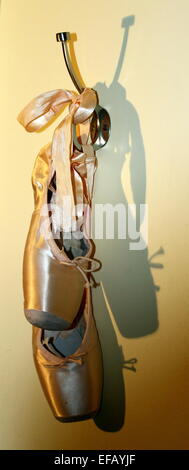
(63, 38)
(100, 123)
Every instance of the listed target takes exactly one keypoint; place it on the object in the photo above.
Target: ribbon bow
(74, 170)
(79, 261)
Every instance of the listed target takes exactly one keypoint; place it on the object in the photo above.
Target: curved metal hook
(100, 124)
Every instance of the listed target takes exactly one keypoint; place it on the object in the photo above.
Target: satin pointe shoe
(53, 276)
(56, 263)
(69, 366)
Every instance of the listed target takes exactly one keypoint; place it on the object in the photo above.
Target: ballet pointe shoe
(72, 383)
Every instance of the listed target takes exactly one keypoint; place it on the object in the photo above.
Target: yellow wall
(150, 325)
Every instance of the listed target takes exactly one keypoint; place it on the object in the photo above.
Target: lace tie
(95, 266)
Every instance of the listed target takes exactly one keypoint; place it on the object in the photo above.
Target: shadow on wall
(125, 273)
(112, 413)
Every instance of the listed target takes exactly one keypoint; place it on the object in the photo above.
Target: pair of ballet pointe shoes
(57, 298)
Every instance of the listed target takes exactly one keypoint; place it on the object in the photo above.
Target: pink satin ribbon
(74, 170)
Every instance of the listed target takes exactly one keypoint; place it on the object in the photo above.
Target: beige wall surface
(135, 54)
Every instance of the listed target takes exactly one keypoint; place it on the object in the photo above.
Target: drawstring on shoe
(95, 266)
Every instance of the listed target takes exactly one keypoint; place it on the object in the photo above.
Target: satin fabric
(52, 290)
(53, 286)
(72, 385)
(70, 166)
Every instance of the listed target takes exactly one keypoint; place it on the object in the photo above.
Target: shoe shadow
(125, 273)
